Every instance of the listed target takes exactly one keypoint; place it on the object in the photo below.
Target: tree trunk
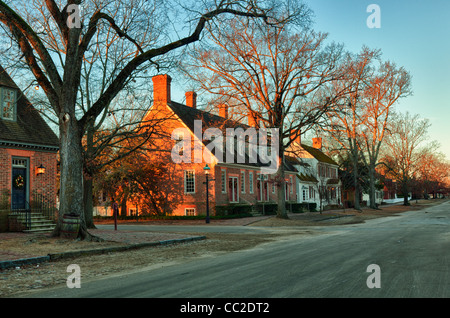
(123, 205)
(88, 203)
(281, 200)
(372, 196)
(405, 191)
(356, 183)
(71, 187)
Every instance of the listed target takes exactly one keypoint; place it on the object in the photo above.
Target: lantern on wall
(40, 170)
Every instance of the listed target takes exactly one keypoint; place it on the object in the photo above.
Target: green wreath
(19, 182)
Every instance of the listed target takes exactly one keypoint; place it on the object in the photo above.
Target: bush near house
(271, 208)
(233, 209)
(4, 210)
(172, 217)
(4, 221)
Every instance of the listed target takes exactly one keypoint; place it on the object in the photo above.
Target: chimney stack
(297, 138)
(161, 89)
(253, 119)
(191, 99)
(317, 143)
(223, 111)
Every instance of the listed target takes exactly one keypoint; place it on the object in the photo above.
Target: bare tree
(406, 143)
(387, 85)
(346, 119)
(55, 59)
(275, 76)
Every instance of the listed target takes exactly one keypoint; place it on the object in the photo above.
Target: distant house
(317, 181)
(239, 185)
(28, 151)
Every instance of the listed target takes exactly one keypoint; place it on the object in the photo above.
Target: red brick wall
(45, 184)
(5, 170)
(198, 199)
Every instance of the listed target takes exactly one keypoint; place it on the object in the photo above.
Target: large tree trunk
(281, 200)
(71, 181)
(89, 173)
(405, 191)
(71, 187)
(356, 183)
(88, 203)
(372, 196)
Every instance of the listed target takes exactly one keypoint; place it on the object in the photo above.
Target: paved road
(411, 250)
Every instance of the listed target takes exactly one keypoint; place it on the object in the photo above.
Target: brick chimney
(161, 89)
(298, 139)
(223, 111)
(253, 119)
(317, 143)
(191, 99)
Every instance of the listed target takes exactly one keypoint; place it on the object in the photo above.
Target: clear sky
(414, 34)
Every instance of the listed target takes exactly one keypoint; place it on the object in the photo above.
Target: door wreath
(19, 182)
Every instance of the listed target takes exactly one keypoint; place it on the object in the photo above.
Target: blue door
(19, 188)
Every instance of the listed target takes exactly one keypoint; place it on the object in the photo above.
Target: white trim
(185, 183)
(14, 91)
(223, 179)
(186, 212)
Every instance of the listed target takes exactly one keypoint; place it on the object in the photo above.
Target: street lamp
(207, 169)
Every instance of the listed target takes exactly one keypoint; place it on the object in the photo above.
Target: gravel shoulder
(16, 281)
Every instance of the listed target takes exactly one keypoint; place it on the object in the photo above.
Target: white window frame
(250, 182)
(2, 92)
(234, 199)
(187, 212)
(132, 211)
(185, 181)
(305, 193)
(243, 181)
(223, 178)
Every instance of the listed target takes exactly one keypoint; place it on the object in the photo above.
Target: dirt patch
(45, 275)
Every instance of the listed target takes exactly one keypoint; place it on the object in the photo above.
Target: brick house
(239, 184)
(28, 151)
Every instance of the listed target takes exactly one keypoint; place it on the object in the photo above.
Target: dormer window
(8, 104)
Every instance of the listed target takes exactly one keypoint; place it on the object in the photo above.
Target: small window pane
(8, 107)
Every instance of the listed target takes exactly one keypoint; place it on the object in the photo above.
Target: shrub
(232, 209)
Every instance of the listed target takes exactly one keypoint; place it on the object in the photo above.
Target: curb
(65, 255)
(24, 261)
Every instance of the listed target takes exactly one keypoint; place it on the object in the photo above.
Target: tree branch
(119, 81)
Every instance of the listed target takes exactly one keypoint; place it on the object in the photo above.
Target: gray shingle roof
(189, 114)
(29, 127)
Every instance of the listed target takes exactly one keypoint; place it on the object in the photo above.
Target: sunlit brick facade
(232, 184)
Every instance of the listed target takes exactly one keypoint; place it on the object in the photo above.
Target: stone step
(38, 223)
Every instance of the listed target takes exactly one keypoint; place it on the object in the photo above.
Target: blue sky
(414, 34)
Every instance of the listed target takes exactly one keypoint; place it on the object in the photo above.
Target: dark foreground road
(411, 251)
